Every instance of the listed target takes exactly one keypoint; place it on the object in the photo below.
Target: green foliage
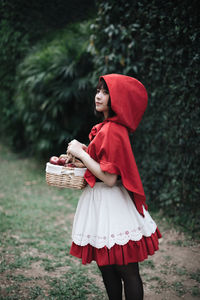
(37, 18)
(53, 93)
(13, 46)
(22, 24)
(158, 42)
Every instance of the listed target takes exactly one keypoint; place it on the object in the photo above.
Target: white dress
(106, 217)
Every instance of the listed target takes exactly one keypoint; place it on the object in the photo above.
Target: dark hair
(102, 85)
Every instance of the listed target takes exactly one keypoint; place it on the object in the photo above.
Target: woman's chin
(98, 109)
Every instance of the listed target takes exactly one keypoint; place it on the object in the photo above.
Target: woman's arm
(77, 149)
(94, 167)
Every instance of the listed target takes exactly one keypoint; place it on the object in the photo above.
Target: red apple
(61, 161)
(70, 165)
(54, 160)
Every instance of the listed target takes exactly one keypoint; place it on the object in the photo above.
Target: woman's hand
(76, 148)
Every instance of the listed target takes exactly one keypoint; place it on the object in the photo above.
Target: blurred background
(51, 55)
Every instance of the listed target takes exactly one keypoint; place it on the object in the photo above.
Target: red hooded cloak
(110, 145)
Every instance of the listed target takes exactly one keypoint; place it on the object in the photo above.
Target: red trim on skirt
(133, 251)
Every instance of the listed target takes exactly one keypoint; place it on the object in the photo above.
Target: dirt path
(174, 271)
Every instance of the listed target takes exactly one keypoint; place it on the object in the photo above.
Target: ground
(35, 230)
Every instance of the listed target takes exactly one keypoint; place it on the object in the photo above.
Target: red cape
(110, 145)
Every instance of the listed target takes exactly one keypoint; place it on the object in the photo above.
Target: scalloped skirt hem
(133, 251)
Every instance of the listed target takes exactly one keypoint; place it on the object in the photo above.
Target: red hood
(128, 99)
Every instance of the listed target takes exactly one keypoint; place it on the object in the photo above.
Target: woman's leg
(112, 282)
(133, 286)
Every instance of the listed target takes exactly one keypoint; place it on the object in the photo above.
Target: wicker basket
(65, 177)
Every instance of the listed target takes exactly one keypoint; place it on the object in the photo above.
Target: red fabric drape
(110, 145)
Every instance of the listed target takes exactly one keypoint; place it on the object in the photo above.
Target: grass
(35, 238)
(149, 264)
(179, 288)
(35, 228)
(196, 275)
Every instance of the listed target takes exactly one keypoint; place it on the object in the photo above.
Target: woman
(112, 225)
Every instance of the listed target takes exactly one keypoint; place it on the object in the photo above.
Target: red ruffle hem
(133, 251)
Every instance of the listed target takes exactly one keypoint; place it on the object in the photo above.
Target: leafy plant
(53, 94)
(22, 25)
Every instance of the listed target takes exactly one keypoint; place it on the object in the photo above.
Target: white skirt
(106, 216)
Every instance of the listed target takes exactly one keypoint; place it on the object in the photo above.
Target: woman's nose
(98, 95)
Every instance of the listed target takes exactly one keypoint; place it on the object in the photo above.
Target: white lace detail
(120, 238)
(107, 216)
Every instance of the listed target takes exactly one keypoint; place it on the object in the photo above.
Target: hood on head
(128, 99)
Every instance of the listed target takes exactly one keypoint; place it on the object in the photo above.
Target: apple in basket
(70, 165)
(61, 161)
(54, 160)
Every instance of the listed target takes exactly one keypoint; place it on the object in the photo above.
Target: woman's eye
(104, 92)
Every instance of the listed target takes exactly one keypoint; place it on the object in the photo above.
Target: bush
(13, 45)
(53, 93)
(22, 25)
(157, 42)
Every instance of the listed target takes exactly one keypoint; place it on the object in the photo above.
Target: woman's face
(101, 102)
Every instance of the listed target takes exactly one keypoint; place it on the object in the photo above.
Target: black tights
(113, 276)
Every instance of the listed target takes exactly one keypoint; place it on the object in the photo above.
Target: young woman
(112, 225)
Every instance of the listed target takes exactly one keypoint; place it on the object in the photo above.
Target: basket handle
(70, 158)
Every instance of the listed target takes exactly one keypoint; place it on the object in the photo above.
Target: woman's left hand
(76, 148)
